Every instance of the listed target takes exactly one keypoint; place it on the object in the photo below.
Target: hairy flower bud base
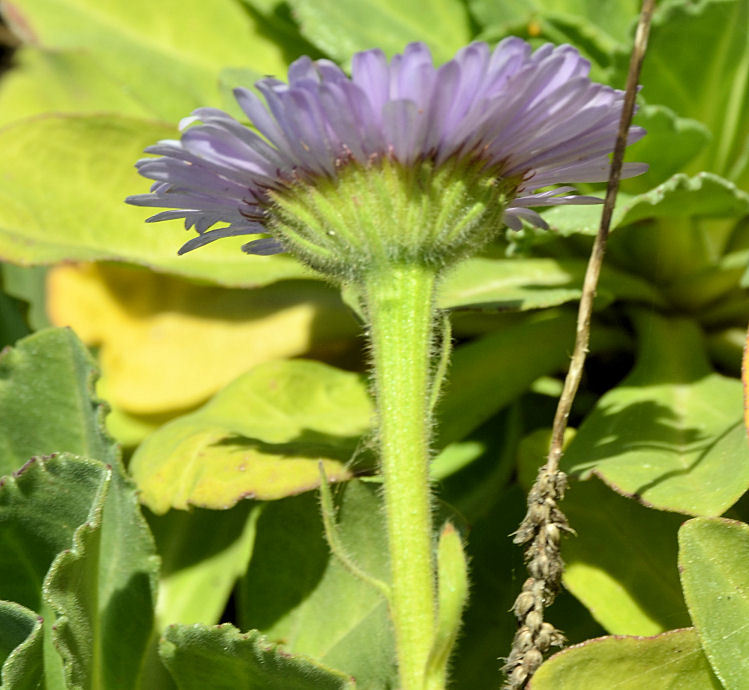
(388, 213)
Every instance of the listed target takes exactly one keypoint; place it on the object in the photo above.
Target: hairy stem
(400, 307)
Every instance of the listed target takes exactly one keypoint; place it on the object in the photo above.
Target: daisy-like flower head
(503, 124)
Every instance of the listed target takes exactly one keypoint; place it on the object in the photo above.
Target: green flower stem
(399, 301)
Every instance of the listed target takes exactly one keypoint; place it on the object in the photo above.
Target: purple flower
(531, 117)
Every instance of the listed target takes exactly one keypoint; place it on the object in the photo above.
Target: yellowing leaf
(263, 436)
(166, 344)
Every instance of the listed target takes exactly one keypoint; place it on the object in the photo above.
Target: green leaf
(261, 437)
(297, 593)
(671, 660)
(710, 84)
(622, 563)
(203, 552)
(229, 79)
(671, 433)
(21, 648)
(222, 658)
(471, 473)
(385, 24)
(568, 220)
(12, 323)
(64, 81)
(83, 216)
(490, 372)
(693, 218)
(28, 284)
(165, 56)
(74, 547)
(594, 27)
(671, 143)
(712, 560)
(680, 197)
(47, 401)
(452, 596)
(523, 284)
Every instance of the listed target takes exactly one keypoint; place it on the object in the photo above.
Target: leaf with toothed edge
(74, 547)
(21, 647)
(703, 195)
(47, 400)
(222, 658)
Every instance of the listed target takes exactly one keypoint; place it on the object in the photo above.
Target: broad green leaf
(670, 434)
(222, 658)
(523, 284)
(279, 24)
(613, 18)
(63, 81)
(671, 143)
(471, 473)
(715, 288)
(262, 436)
(47, 401)
(710, 84)
(622, 563)
(568, 220)
(595, 28)
(83, 217)
(21, 648)
(165, 55)
(229, 79)
(490, 372)
(150, 329)
(74, 547)
(673, 659)
(713, 557)
(203, 552)
(385, 24)
(28, 284)
(680, 197)
(295, 592)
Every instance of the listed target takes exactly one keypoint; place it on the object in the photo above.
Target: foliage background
(222, 424)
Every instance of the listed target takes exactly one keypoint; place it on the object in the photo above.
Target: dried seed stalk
(544, 522)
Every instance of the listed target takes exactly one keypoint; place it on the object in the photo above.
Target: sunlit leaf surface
(713, 555)
(670, 434)
(671, 660)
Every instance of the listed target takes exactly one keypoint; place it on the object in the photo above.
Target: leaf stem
(334, 541)
(399, 302)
